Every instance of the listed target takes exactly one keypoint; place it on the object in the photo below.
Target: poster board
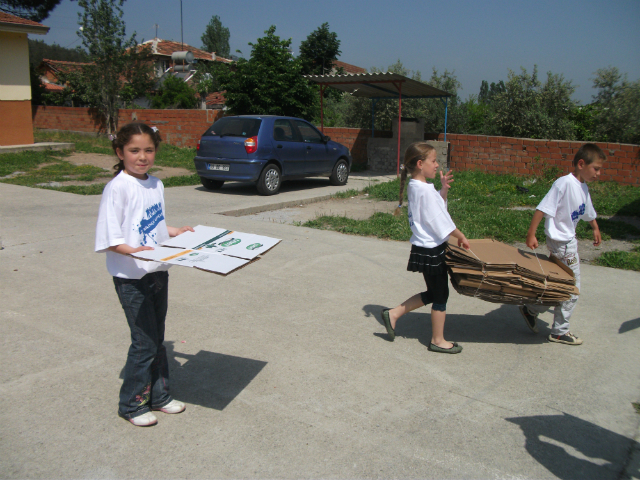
(225, 242)
(211, 249)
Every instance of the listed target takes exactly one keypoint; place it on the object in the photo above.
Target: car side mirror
(326, 139)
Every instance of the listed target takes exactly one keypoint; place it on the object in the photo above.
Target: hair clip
(155, 129)
(111, 137)
(401, 167)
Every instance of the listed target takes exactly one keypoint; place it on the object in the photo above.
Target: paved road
(285, 366)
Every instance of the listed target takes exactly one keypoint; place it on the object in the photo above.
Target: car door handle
(278, 146)
(308, 147)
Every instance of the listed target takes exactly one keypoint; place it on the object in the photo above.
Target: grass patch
(381, 225)
(481, 205)
(182, 181)
(623, 260)
(84, 143)
(636, 406)
(347, 193)
(49, 166)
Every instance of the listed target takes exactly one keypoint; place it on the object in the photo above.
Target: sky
(477, 40)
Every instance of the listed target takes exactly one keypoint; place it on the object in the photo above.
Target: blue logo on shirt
(154, 216)
(576, 213)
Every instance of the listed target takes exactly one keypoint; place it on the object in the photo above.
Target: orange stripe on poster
(183, 252)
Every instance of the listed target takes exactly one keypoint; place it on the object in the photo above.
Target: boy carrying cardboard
(567, 202)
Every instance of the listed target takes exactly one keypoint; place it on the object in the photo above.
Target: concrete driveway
(285, 365)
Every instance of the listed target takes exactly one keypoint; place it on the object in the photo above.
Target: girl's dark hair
(416, 151)
(123, 137)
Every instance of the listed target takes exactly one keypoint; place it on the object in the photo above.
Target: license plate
(217, 166)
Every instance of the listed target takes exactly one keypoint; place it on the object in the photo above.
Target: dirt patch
(359, 208)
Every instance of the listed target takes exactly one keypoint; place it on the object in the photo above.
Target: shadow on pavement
(572, 448)
(209, 379)
(249, 189)
(629, 325)
(502, 325)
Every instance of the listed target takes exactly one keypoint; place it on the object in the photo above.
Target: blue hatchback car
(267, 150)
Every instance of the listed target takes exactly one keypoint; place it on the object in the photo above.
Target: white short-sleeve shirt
(429, 219)
(131, 212)
(567, 202)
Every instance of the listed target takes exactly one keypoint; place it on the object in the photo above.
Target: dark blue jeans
(146, 373)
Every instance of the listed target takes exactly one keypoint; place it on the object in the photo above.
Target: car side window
(309, 134)
(283, 131)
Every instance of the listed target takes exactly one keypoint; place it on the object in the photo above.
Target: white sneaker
(145, 420)
(174, 406)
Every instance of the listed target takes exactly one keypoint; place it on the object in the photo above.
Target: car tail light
(251, 144)
(198, 146)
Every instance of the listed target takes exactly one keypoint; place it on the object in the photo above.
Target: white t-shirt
(567, 202)
(131, 212)
(429, 220)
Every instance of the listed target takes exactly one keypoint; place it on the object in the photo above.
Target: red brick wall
(182, 128)
(492, 154)
(525, 156)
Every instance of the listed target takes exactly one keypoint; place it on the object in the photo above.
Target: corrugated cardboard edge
(231, 271)
(558, 262)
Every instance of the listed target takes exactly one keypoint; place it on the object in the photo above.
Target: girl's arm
(462, 240)
(124, 249)
(446, 180)
(174, 232)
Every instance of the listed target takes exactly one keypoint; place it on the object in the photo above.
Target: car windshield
(235, 127)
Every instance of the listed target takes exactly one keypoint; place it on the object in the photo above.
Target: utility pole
(181, 38)
(156, 25)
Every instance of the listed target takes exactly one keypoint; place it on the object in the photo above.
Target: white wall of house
(14, 67)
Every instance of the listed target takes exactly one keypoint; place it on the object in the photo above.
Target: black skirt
(431, 261)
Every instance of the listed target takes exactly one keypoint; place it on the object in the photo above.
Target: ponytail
(416, 151)
(403, 179)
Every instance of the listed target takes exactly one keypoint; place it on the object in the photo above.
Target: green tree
(39, 50)
(216, 38)
(174, 93)
(529, 108)
(270, 82)
(36, 10)
(37, 88)
(616, 107)
(115, 62)
(319, 51)
(205, 80)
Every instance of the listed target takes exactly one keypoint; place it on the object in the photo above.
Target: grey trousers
(567, 253)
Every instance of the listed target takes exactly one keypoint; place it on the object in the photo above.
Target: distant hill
(39, 50)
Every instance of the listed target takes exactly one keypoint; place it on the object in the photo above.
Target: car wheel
(340, 173)
(211, 184)
(270, 180)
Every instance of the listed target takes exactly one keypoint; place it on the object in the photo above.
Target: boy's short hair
(589, 152)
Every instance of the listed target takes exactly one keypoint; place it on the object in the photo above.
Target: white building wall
(14, 67)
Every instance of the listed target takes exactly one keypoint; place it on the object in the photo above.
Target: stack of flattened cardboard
(500, 273)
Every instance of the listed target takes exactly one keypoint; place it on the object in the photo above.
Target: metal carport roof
(378, 86)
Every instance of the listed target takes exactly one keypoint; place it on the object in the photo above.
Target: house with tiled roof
(51, 69)
(16, 127)
(347, 68)
(163, 50)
